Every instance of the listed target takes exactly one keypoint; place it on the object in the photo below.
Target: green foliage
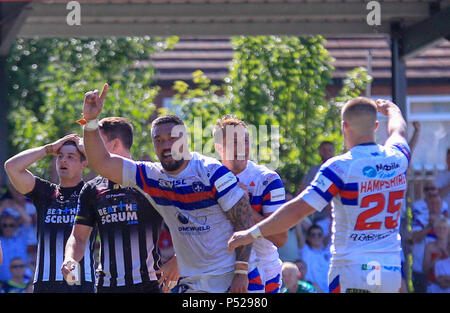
(277, 81)
(46, 99)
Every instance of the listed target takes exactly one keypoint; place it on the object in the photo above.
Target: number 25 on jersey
(394, 204)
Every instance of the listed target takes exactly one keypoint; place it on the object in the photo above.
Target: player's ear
(344, 125)
(218, 147)
(84, 164)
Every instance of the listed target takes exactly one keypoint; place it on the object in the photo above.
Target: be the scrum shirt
(56, 209)
(129, 230)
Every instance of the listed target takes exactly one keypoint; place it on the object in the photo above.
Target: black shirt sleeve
(86, 207)
(43, 190)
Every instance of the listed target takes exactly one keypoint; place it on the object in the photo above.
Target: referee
(56, 207)
(128, 225)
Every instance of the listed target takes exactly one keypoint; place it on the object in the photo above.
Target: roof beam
(419, 36)
(12, 17)
(194, 29)
(334, 10)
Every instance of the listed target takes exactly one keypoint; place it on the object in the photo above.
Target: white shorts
(272, 273)
(364, 278)
(205, 283)
(219, 283)
(256, 280)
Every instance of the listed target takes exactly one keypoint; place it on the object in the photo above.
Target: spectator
(19, 280)
(430, 189)
(303, 268)
(326, 151)
(435, 251)
(415, 137)
(442, 274)
(443, 180)
(422, 232)
(322, 218)
(19, 206)
(15, 243)
(292, 282)
(317, 257)
(289, 252)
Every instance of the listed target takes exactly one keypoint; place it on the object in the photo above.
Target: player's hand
(245, 189)
(169, 273)
(416, 125)
(239, 284)
(383, 106)
(240, 238)
(55, 146)
(67, 267)
(80, 145)
(93, 103)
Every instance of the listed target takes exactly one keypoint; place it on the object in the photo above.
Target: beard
(173, 165)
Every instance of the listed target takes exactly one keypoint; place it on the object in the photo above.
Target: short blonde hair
(222, 123)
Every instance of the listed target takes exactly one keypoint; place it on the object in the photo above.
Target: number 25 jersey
(367, 185)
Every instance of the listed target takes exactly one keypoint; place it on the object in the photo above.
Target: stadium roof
(212, 55)
(223, 17)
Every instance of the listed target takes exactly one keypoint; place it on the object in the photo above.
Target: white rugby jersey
(267, 194)
(367, 185)
(193, 205)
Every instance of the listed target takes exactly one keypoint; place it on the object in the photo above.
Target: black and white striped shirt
(129, 229)
(56, 209)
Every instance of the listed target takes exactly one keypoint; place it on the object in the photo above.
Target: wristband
(255, 232)
(91, 125)
(241, 272)
(241, 262)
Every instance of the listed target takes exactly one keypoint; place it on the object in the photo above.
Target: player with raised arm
(197, 196)
(56, 206)
(266, 194)
(367, 185)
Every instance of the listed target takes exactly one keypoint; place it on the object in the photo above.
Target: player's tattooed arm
(241, 218)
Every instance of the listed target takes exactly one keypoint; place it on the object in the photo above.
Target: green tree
(46, 99)
(277, 81)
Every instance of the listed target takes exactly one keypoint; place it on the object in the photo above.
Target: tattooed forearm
(241, 218)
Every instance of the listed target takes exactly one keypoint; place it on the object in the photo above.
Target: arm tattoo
(240, 216)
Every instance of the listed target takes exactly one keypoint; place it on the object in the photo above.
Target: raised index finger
(103, 94)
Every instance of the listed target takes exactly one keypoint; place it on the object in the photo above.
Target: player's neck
(123, 153)
(70, 182)
(360, 140)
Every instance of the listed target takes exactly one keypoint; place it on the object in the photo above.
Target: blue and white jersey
(367, 185)
(266, 194)
(193, 205)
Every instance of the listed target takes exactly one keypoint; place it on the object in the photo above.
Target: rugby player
(197, 196)
(56, 207)
(367, 185)
(266, 194)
